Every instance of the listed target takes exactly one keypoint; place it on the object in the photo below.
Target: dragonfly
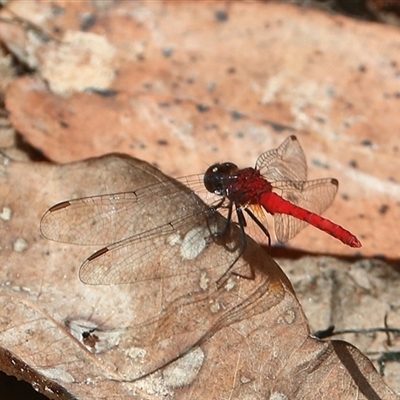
(279, 185)
(134, 227)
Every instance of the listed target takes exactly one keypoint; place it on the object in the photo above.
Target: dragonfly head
(218, 177)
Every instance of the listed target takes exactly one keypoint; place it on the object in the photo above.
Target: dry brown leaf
(214, 82)
(246, 338)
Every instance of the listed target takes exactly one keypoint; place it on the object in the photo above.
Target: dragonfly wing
(314, 196)
(287, 162)
(286, 227)
(104, 219)
(166, 251)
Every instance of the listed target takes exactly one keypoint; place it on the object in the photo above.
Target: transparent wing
(166, 251)
(158, 231)
(105, 219)
(287, 162)
(315, 196)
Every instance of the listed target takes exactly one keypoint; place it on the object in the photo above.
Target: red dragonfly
(278, 184)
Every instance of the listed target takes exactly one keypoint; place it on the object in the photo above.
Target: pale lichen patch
(204, 281)
(278, 396)
(230, 284)
(193, 243)
(174, 239)
(6, 214)
(290, 316)
(57, 374)
(136, 353)
(184, 371)
(214, 306)
(20, 245)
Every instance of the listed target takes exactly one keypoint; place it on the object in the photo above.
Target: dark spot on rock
(362, 68)
(88, 21)
(210, 127)
(353, 163)
(383, 209)
(366, 143)
(221, 16)
(236, 115)
(202, 107)
(167, 52)
(278, 128)
(331, 92)
(64, 124)
(57, 10)
(320, 164)
(345, 196)
(102, 92)
(162, 142)
(231, 70)
(239, 134)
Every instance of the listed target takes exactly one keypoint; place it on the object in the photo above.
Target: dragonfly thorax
(219, 177)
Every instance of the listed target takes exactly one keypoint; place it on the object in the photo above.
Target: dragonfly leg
(228, 218)
(260, 225)
(243, 245)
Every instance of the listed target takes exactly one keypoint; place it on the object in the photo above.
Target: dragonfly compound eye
(219, 176)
